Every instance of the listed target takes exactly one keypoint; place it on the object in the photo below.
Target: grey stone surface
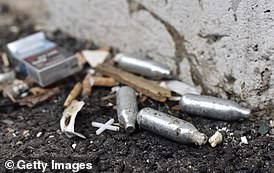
(224, 47)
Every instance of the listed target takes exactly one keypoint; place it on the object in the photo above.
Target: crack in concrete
(178, 40)
(180, 49)
(134, 7)
(212, 38)
(201, 4)
(235, 4)
(265, 81)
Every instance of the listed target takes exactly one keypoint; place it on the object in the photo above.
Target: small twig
(145, 86)
(108, 97)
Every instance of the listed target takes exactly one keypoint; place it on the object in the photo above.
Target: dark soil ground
(142, 151)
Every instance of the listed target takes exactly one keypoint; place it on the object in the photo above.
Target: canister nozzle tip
(246, 112)
(199, 138)
(130, 128)
(118, 57)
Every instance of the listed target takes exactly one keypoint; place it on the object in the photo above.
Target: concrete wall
(224, 47)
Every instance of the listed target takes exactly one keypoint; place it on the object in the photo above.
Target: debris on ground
(26, 133)
(15, 89)
(170, 127)
(115, 89)
(67, 121)
(271, 123)
(9, 122)
(103, 81)
(33, 100)
(38, 91)
(90, 81)
(51, 136)
(108, 97)
(7, 76)
(213, 107)
(42, 59)
(271, 131)
(180, 87)
(215, 139)
(144, 67)
(263, 129)
(86, 86)
(174, 98)
(76, 90)
(244, 140)
(95, 57)
(74, 146)
(91, 71)
(127, 108)
(142, 98)
(29, 81)
(5, 60)
(39, 134)
(81, 59)
(107, 126)
(147, 87)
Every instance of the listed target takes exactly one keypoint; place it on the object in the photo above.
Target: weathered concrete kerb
(224, 47)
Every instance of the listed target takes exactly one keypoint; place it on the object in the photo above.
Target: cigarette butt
(73, 94)
(87, 87)
(104, 81)
(81, 59)
(5, 59)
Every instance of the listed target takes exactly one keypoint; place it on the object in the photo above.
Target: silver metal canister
(213, 107)
(144, 67)
(170, 127)
(127, 108)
